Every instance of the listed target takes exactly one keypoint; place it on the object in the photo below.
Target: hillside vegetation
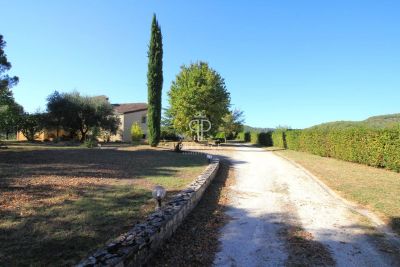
(250, 129)
(383, 121)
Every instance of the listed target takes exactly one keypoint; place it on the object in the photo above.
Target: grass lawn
(58, 204)
(376, 189)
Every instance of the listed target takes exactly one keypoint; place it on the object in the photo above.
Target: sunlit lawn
(374, 188)
(56, 204)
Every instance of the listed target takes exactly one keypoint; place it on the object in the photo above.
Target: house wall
(129, 119)
(46, 135)
(39, 137)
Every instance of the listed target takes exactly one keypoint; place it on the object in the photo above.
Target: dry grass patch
(374, 188)
(58, 204)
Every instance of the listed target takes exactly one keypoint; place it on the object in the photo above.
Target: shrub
(136, 132)
(265, 138)
(247, 136)
(240, 136)
(243, 136)
(254, 138)
(261, 138)
(220, 136)
(90, 143)
(169, 134)
(278, 138)
(292, 139)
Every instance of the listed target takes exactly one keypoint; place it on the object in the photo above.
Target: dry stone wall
(136, 246)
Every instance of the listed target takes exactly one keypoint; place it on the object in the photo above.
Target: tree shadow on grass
(94, 163)
(63, 222)
(61, 234)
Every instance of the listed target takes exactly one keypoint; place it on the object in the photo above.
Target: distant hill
(383, 121)
(247, 128)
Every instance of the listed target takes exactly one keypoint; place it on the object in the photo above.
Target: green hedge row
(243, 136)
(374, 147)
(278, 138)
(258, 138)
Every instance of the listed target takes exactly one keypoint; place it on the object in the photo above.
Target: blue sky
(294, 63)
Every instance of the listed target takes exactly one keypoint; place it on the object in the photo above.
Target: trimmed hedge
(243, 136)
(254, 138)
(370, 146)
(262, 138)
(258, 138)
(279, 138)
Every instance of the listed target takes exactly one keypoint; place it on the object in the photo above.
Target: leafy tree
(10, 111)
(154, 83)
(32, 125)
(6, 82)
(232, 123)
(56, 107)
(198, 89)
(136, 132)
(168, 131)
(76, 113)
(10, 118)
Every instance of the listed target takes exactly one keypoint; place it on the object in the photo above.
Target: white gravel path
(269, 190)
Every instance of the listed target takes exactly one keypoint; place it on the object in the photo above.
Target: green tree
(198, 89)
(32, 125)
(56, 107)
(136, 132)
(10, 111)
(154, 83)
(77, 113)
(232, 123)
(6, 82)
(10, 118)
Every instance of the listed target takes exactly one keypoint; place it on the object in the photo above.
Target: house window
(144, 119)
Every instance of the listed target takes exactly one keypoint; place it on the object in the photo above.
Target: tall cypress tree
(154, 83)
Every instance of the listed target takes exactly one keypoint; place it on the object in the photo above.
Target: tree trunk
(83, 134)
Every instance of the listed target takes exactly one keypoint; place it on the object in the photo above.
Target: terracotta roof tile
(129, 107)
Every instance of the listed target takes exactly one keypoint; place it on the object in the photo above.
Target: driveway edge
(373, 218)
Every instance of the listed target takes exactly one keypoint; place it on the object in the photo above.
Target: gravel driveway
(281, 216)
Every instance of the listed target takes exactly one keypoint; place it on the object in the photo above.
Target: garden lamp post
(159, 194)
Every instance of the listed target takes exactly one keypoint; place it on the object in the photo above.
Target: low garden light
(159, 194)
(209, 158)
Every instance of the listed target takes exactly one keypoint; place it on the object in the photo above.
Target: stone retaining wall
(135, 247)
